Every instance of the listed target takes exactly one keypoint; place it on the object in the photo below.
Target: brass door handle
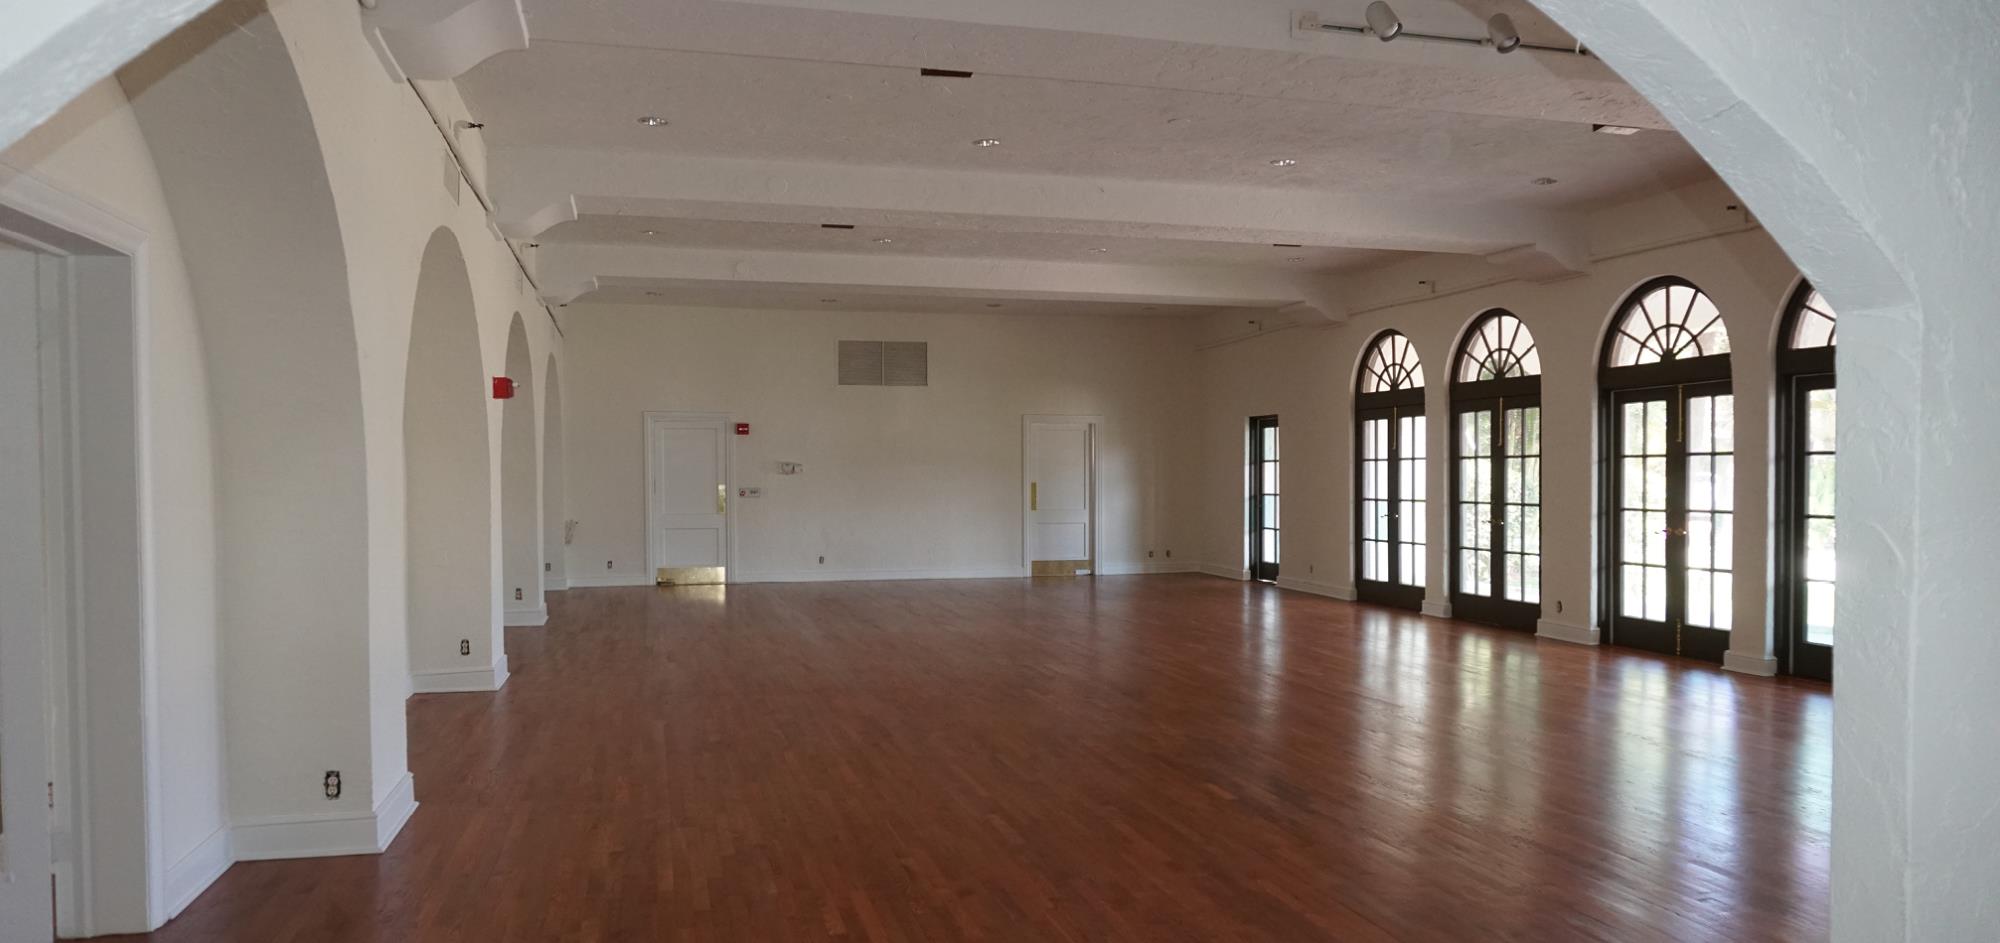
(722, 499)
(1034, 496)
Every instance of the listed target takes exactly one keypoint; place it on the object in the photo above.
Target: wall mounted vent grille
(885, 363)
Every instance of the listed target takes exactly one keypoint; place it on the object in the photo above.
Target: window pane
(1270, 478)
(1725, 423)
(1270, 511)
(1819, 613)
(1724, 603)
(1656, 593)
(1820, 549)
(1270, 546)
(1820, 420)
(1270, 442)
(1656, 428)
(1700, 425)
(1701, 482)
(1819, 485)
(1700, 539)
(1725, 536)
(1699, 600)
(1531, 588)
(1632, 595)
(1725, 482)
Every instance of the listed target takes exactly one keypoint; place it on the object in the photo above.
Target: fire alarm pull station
(742, 428)
(503, 388)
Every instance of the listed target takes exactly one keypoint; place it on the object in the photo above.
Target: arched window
(1670, 492)
(1389, 469)
(1496, 411)
(1806, 464)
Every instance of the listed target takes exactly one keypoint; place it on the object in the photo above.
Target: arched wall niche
(520, 491)
(248, 187)
(452, 620)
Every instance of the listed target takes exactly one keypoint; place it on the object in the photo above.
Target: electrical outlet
(465, 646)
(1559, 607)
(1309, 569)
(332, 784)
(548, 567)
(1170, 554)
(1149, 554)
(607, 564)
(517, 594)
(822, 560)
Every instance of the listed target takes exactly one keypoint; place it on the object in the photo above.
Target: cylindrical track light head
(1383, 22)
(1501, 33)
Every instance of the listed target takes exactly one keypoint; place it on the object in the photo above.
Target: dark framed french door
(1390, 504)
(1806, 538)
(1671, 518)
(1264, 484)
(1497, 510)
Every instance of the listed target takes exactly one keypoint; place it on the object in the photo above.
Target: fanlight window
(1813, 325)
(1391, 365)
(1499, 349)
(1675, 321)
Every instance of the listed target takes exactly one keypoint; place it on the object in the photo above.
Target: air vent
(1289, 245)
(836, 225)
(945, 73)
(885, 363)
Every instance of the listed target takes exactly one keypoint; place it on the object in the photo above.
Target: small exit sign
(742, 428)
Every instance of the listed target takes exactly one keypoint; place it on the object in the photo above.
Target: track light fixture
(1501, 33)
(1383, 22)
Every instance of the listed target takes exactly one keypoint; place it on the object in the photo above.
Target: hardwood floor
(1149, 759)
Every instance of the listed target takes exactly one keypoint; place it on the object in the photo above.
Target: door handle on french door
(722, 499)
(1034, 496)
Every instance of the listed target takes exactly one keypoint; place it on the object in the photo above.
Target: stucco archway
(520, 491)
(453, 624)
(555, 574)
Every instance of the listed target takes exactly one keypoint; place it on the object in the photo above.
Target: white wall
(93, 150)
(898, 481)
(1306, 375)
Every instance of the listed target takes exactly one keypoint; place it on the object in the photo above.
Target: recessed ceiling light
(653, 121)
(652, 294)
(649, 232)
(1545, 181)
(1282, 162)
(1618, 129)
(1099, 249)
(883, 241)
(986, 142)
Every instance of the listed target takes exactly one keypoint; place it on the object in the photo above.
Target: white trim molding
(1145, 567)
(1340, 591)
(1762, 666)
(1437, 609)
(554, 584)
(327, 834)
(1564, 632)
(869, 576)
(1238, 574)
(528, 618)
(196, 870)
(460, 680)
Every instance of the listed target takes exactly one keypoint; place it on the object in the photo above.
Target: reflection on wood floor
(1140, 758)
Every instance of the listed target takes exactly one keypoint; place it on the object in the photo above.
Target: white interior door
(687, 498)
(1058, 452)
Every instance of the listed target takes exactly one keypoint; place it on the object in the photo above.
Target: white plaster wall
(520, 489)
(93, 150)
(385, 161)
(898, 481)
(1306, 376)
(555, 574)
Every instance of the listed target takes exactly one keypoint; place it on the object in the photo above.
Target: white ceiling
(1140, 128)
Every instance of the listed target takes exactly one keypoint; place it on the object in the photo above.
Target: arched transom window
(1391, 365)
(1500, 348)
(1813, 323)
(1672, 321)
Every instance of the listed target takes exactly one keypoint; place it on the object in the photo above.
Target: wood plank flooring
(1153, 759)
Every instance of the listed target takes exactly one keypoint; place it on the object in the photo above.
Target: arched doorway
(454, 642)
(520, 492)
(1496, 414)
(1807, 461)
(1391, 473)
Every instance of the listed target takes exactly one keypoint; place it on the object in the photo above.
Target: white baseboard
(454, 680)
(850, 576)
(1563, 632)
(1144, 567)
(1762, 666)
(327, 834)
(1228, 573)
(196, 870)
(1437, 609)
(395, 809)
(528, 617)
(1331, 590)
(611, 579)
(554, 584)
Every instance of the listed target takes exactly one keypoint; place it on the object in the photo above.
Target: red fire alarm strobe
(742, 428)
(503, 388)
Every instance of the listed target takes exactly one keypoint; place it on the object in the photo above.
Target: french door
(1390, 467)
(1497, 490)
(1264, 498)
(1810, 547)
(1672, 518)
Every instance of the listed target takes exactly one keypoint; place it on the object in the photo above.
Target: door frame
(1253, 561)
(1028, 422)
(1391, 408)
(1796, 656)
(64, 662)
(1494, 609)
(726, 422)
